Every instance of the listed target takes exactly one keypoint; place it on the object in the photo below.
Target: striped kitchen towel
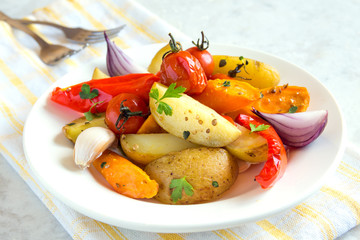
(24, 78)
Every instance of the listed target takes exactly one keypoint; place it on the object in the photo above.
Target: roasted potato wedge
(193, 120)
(74, 128)
(156, 62)
(98, 74)
(249, 147)
(210, 171)
(144, 148)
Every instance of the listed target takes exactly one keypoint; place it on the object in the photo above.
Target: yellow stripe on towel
(273, 230)
(10, 116)
(353, 205)
(30, 58)
(16, 81)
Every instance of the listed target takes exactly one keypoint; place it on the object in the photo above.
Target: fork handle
(20, 26)
(24, 21)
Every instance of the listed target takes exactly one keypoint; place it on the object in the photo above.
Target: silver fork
(79, 34)
(49, 53)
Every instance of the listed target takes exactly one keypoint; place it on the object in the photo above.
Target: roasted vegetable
(187, 118)
(209, 171)
(144, 148)
(182, 68)
(90, 144)
(276, 162)
(98, 74)
(118, 63)
(297, 129)
(125, 177)
(281, 99)
(225, 95)
(258, 74)
(100, 91)
(74, 128)
(155, 64)
(150, 126)
(250, 147)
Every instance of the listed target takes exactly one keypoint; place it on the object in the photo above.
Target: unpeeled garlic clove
(90, 144)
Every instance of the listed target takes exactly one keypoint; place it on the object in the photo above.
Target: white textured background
(321, 36)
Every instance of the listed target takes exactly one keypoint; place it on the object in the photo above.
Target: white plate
(49, 154)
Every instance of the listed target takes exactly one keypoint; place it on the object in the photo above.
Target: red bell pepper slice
(139, 84)
(275, 165)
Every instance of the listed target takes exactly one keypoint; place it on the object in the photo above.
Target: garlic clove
(90, 144)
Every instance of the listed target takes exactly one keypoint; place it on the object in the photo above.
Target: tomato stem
(204, 40)
(175, 46)
(125, 114)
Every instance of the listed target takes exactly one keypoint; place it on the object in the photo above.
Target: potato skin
(201, 167)
(249, 147)
(74, 128)
(144, 148)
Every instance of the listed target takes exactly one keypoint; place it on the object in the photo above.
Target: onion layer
(297, 129)
(118, 63)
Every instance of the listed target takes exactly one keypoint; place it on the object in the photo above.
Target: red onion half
(297, 129)
(118, 63)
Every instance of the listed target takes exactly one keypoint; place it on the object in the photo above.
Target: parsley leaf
(293, 109)
(86, 93)
(164, 107)
(171, 92)
(215, 184)
(178, 185)
(89, 115)
(154, 93)
(259, 128)
(226, 84)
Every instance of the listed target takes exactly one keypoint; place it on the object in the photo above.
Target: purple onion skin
(297, 129)
(117, 62)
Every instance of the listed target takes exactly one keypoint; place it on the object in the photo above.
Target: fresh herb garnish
(261, 95)
(178, 185)
(259, 128)
(293, 109)
(226, 84)
(171, 92)
(186, 134)
(87, 94)
(215, 184)
(103, 164)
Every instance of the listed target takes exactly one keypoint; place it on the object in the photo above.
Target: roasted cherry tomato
(276, 162)
(203, 55)
(126, 113)
(182, 68)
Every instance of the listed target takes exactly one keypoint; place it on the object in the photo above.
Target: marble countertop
(321, 37)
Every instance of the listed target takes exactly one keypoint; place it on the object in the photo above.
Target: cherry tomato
(126, 113)
(182, 68)
(205, 58)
